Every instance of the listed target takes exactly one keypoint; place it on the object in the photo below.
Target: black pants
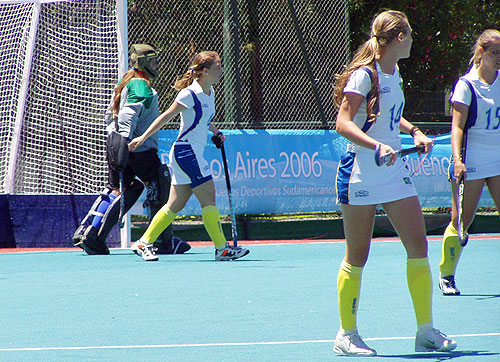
(140, 164)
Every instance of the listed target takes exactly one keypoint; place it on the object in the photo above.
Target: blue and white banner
(292, 171)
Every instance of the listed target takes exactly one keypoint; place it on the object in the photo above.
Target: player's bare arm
(460, 113)
(157, 124)
(419, 137)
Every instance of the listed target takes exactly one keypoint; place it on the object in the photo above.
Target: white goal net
(59, 62)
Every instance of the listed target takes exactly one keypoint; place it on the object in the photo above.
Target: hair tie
(134, 68)
(191, 69)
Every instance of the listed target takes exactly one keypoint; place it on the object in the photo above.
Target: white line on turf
(190, 345)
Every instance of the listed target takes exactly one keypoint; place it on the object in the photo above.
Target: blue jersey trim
(471, 119)
(368, 124)
(344, 173)
(472, 115)
(197, 117)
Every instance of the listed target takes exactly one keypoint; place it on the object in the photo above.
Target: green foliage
(444, 32)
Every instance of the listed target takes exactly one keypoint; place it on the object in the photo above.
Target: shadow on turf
(481, 296)
(227, 261)
(171, 257)
(440, 356)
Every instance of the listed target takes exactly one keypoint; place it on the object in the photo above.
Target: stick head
(463, 238)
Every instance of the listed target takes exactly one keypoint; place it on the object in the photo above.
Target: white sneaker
(146, 251)
(447, 285)
(433, 340)
(230, 253)
(351, 344)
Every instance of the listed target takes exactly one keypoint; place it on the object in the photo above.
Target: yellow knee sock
(451, 252)
(160, 222)
(211, 220)
(418, 273)
(348, 289)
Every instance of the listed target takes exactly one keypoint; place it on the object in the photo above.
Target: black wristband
(413, 130)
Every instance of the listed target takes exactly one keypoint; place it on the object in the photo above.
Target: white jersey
(391, 104)
(186, 155)
(195, 120)
(483, 136)
(359, 180)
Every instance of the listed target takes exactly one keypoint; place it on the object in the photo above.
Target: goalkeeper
(133, 108)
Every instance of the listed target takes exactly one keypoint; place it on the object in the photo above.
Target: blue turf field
(277, 304)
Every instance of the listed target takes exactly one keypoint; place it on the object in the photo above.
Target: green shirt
(139, 91)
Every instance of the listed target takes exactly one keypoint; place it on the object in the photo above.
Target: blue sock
(102, 208)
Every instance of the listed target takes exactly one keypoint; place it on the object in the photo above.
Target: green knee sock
(211, 220)
(451, 252)
(348, 289)
(418, 273)
(163, 218)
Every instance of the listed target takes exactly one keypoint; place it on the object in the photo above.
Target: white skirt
(360, 181)
(482, 158)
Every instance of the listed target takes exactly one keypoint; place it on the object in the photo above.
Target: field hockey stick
(229, 195)
(463, 236)
(121, 223)
(383, 159)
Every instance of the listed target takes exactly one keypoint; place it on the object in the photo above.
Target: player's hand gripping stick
(384, 159)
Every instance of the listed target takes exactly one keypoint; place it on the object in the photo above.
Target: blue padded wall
(49, 220)
(6, 229)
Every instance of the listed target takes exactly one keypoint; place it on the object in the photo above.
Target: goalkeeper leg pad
(85, 227)
(91, 243)
(92, 239)
(87, 235)
(110, 218)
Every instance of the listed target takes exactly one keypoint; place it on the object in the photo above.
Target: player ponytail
(201, 61)
(364, 57)
(141, 56)
(385, 27)
(483, 42)
(132, 73)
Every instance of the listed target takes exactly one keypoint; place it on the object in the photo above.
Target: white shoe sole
(230, 258)
(447, 348)
(139, 252)
(442, 349)
(342, 353)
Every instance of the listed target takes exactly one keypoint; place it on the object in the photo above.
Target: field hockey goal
(59, 62)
